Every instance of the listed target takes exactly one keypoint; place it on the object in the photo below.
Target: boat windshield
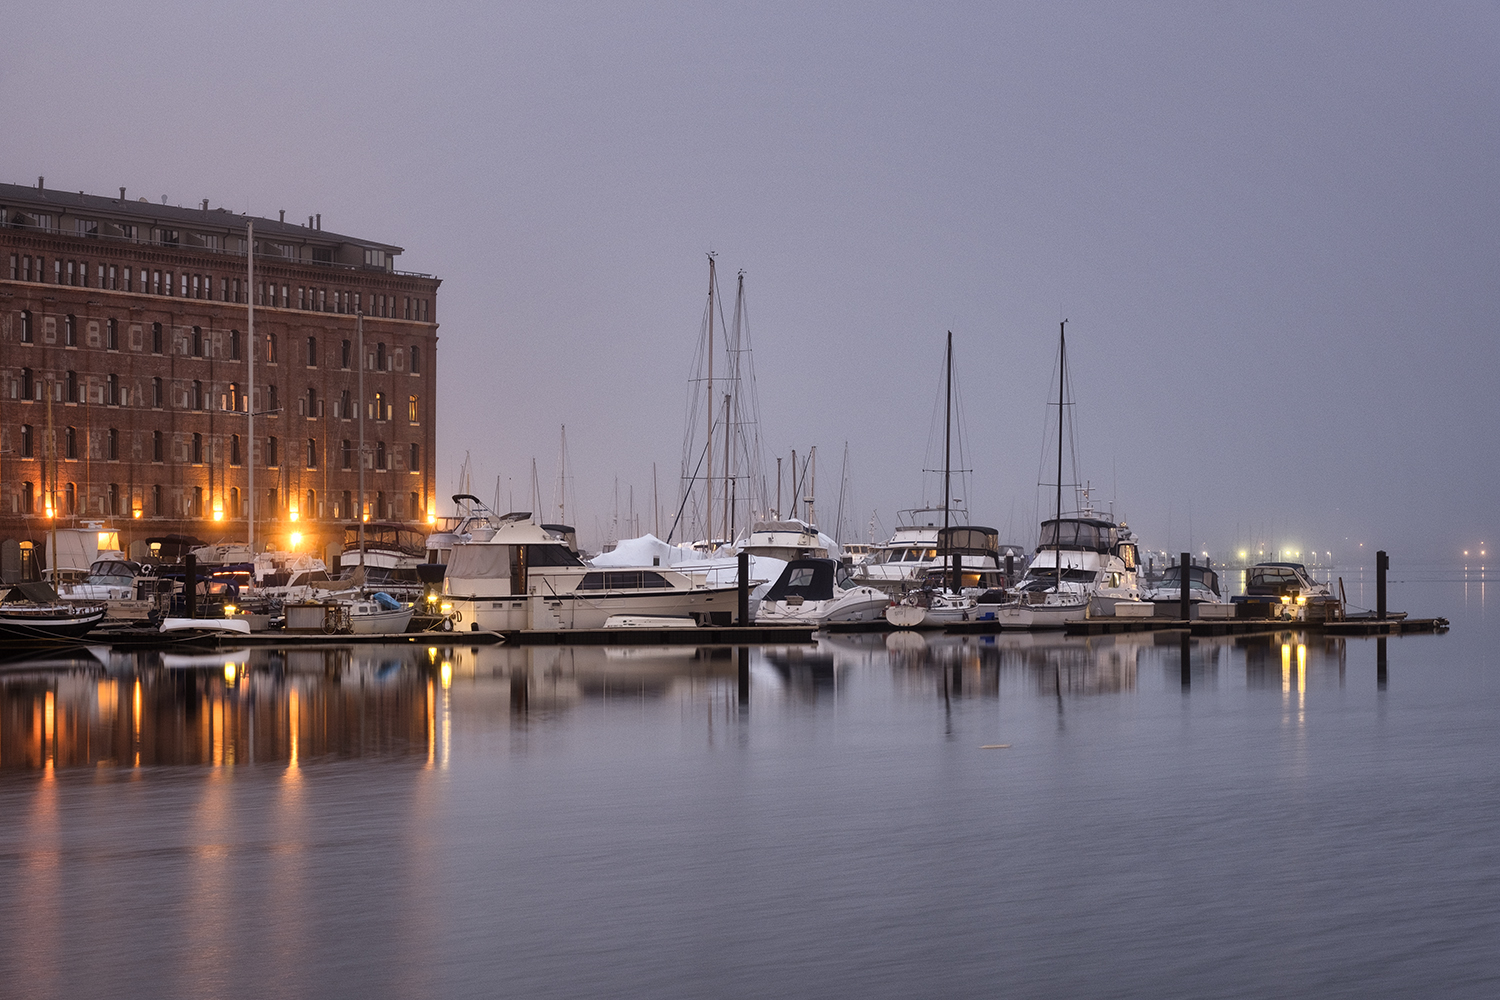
(1047, 579)
(1089, 536)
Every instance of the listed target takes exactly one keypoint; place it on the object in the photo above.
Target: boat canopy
(1086, 534)
(387, 536)
(1276, 580)
(809, 579)
(968, 540)
(1172, 578)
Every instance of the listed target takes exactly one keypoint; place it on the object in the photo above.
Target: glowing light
(432, 519)
(218, 508)
(218, 514)
(49, 508)
(230, 611)
(229, 671)
(1243, 553)
(446, 608)
(137, 513)
(446, 671)
(296, 539)
(292, 512)
(431, 653)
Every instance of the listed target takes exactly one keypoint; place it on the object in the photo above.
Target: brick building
(124, 366)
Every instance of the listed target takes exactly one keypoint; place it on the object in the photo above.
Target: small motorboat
(206, 626)
(819, 592)
(932, 609)
(380, 614)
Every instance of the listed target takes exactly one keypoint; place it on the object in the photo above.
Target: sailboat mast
(250, 386)
(708, 480)
(359, 336)
(1062, 366)
(948, 437)
(727, 502)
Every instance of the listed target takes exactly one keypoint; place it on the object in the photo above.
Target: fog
(1275, 234)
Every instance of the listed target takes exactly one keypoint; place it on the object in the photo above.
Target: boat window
(800, 577)
(590, 581)
(653, 580)
(551, 555)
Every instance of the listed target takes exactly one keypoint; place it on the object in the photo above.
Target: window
(416, 359)
(348, 451)
(312, 453)
(312, 352)
(271, 461)
(28, 444)
(112, 338)
(197, 509)
(70, 498)
(28, 384)
(156, 392)
(347, 507)
(72, 387)
(72, 443)
(380, 406)
(234, 449)
(311, 510)
(114, 498)
(28, 497)
(156, 507)
(380, 511)
(156, 447)
(114, 444)
(26, 331)
(114, 278)
(411, 409)
(197, 341)
(234, 345)
(272, 501)
(183, 288)
(416, 509)
(380, 357)
(416, 454)
(70, 331)
(346, 411)
(234, 501)
(270, 348)
(271, 405)
(155, 338)
(344, 356)
(380, 455)
(312, 402)
(375, 258)
(196, 402)
(197, 449)
(113, 395)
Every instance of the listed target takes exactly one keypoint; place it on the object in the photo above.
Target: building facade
(125, 357)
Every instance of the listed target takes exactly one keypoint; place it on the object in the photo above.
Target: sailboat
(1083, 563)
(933, 606)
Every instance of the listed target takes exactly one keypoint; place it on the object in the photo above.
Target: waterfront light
(229, 671)
(447, 674)
(296, 539)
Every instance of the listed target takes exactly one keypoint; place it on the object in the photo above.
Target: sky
(1273, 229)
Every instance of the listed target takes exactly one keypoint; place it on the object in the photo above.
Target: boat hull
(33, 628)
(1040, 616)
(381, 622)
(593, 610)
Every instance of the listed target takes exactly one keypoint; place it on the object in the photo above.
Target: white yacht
(1082, 566)
(819, 592)
(1203, 586)
(526, 575)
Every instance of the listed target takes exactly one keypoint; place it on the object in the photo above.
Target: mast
(359, 334)
(948, 438)
(727, 508)
(250, 385)
(708, 480)
(1062, 367)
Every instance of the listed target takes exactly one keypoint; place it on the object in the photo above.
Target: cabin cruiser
(819, 592)
(392, 553)
(1290, 584)
(1082, 566)
(916, 552)
(526, 575)
(124, 586)
(1203, 586)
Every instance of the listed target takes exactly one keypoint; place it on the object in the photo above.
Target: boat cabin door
(518, 570)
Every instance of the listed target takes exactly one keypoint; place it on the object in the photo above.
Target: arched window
(28, 497)
(114, 390)
(380, 357)
(271, 461)
(114, 499)
(197, 400)
(72, 443)
(271, 348)
(312, 352)
(312, 401)
(312, 453)
(234, 501)
(112, 340)
(72, 382)
(156, 451)
(155, 338)
(348, 450)
(114, 444)
(380, 454)
(197, 341)
(197, 449)
(310, 511)
(28, 384)
(415, 455)
(26, 331)
(156, 392)
(28, 444)
(234, 449)
(70, 330)
(234, 345)
(70, 498)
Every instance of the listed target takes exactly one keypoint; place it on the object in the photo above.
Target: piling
(958, 573)
(1184, 570)
(744, 609)
(1382, 563)
(190, 584)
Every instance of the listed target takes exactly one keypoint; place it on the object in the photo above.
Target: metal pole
(250, 386)
(744, 581)
(708, 480)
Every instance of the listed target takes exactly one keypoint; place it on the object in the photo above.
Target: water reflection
(292, 707)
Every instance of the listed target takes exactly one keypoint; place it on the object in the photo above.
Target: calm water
(614, 822)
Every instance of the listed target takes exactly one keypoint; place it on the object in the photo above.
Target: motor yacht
(526, 575)
(819, 592)
(1081, 567)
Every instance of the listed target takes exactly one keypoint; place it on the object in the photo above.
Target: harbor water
(873, 816)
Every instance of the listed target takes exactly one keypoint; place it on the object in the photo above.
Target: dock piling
(744, 608)
(1187, 578)
(190, 584)
(1382, 563)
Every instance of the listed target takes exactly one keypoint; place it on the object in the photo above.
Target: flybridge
(1079, 534)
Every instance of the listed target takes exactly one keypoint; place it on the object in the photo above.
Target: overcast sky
(1274, 231)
